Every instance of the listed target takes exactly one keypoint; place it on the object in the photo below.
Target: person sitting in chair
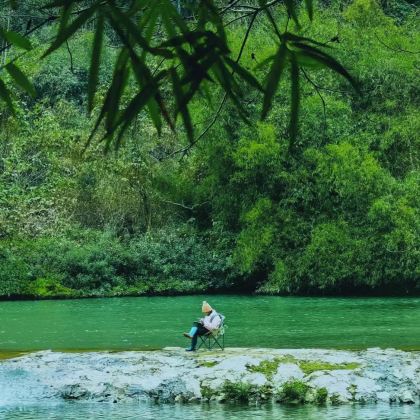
(210, 322)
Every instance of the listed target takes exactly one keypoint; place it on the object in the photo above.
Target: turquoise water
(253, 321)
(76, 411)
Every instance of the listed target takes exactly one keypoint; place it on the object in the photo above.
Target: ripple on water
(77, 411)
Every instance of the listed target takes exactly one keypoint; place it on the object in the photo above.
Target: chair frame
(213, 338)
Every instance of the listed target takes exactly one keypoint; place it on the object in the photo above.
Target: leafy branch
(193, 52)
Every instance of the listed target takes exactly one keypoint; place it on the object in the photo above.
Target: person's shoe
(186, 335)
(190, 349)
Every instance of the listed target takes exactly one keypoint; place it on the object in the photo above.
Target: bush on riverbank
(293, 392)
(92, 263)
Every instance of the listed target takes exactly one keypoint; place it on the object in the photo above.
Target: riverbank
(288, 376)
(199, 290)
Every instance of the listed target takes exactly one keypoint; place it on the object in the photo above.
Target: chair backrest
(221, 329)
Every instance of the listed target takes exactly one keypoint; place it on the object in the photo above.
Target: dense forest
(241, 209)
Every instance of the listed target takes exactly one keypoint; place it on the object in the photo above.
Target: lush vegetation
(335, 212)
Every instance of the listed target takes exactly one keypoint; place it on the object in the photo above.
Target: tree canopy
(240, 210)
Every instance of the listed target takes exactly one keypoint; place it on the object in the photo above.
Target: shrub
(293, 392)
(321, 396)
(237, 391)
(47, 287)
(99, 263)
(14, 272)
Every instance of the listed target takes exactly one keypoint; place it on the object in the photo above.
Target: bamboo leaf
(144, 77)
(116, 91)
(125, 22)
(149, 22)
(16, 39)
(210, 13)
(265, 62)
(109, 106)
(244, 74)
(171, 18)
(190, 37)
(273, 78)
(66, 32)
(291, 8)
(328, 61)
(20, 78)
(153, 109)
(95, 62)
(133, 108)
(308, 62)
(101, 116)
(182, 107)
(228, 84)
(310, 8)
(295, 38)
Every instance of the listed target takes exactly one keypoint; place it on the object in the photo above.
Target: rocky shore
(313, 376)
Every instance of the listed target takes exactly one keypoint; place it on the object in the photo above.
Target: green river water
(101, 411)
(156, 322)
(253, 321)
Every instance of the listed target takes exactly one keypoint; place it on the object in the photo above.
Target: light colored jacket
(212, 321)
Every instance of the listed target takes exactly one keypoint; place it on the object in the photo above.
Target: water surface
(253, 321)
(77, 411)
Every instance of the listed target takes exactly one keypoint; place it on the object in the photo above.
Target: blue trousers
(200, 330)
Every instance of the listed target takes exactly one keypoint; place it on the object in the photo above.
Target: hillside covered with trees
(241, 208)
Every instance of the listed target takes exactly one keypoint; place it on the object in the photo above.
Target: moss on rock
(207, 363)
(269, 367)
(309, 366)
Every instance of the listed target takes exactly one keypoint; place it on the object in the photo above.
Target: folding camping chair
(214, 338)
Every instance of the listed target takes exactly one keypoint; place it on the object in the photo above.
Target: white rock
(193, 387)
(407, 397)
(336, 382)
(255, 378)
(237, 363)
(286, 372)
(214, 384)
(366, 389)
(383, 396)
(384, 375)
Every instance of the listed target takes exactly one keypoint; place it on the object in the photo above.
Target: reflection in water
(97, 411)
